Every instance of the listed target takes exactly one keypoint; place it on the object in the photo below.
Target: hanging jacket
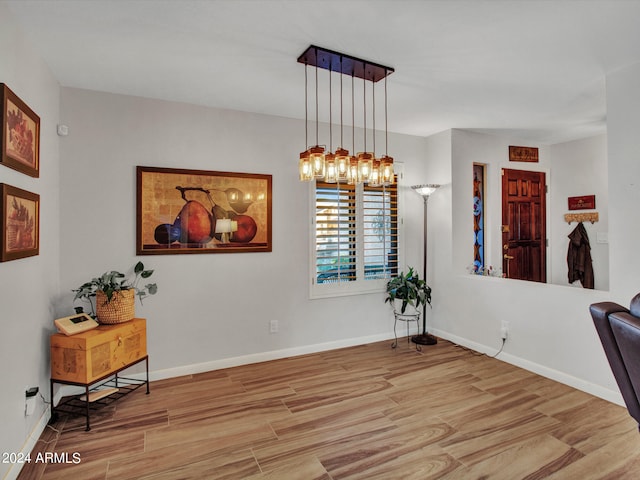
(579, 257)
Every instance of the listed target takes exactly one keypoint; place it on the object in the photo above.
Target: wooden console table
(94, 360)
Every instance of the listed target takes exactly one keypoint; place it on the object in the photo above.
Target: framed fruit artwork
(20, 228)
(20, 140)
(199, 211)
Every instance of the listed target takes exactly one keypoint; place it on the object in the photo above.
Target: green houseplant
(408, 288)
(115, 293)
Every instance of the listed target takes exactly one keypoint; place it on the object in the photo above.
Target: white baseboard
(265, 356)
(31, 441)
(596, 390)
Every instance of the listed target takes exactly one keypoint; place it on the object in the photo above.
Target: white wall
(550, 328)
(623, 120)
(212, 307)
(28, 286)
(579, 168)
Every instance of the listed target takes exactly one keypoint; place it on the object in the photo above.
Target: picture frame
(523, 154)
(182, 211)
(20, 228)
(20, 140)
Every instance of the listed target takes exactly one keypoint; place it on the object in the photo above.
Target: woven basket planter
(120, 309)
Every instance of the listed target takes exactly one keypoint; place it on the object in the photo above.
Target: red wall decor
(586, 202)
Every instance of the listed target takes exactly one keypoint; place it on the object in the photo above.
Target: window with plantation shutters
(355, 238)
(335, 233)
(380, 232)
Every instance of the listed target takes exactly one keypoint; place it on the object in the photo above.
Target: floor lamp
(425, 338)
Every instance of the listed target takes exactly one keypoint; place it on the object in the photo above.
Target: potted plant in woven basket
(115, 294)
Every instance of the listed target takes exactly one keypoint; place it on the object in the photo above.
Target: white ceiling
(533, 69)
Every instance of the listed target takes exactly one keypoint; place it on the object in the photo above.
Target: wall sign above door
(523, 154)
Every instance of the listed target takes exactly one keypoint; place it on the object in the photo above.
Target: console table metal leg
(54, 415)
(86, 401)
(147, 368)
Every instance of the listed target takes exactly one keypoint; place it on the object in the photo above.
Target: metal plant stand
(406, 317)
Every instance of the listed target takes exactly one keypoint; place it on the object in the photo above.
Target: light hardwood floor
(362, 412)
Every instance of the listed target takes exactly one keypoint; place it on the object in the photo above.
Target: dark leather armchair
(619, 331)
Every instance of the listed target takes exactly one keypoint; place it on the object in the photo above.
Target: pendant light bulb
(317, 152)
(342, 155)
(316, 159)
(330, 168)
(365, 165)
(375, 179)
(305, 170)
(387, 175)
(342, 163)
(386, 162)
(352, 172)
(375, 176)
(365, 159)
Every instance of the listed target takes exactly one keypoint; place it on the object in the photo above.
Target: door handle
(508, 257)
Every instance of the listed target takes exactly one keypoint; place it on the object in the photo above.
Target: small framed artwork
(20, 148)
(199, 211)
(523, 154)
(20, 227)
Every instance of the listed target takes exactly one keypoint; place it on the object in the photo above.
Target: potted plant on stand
(406, 293)
(115, 294)
(408, 290)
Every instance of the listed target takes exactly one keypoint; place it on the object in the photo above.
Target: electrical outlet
(273, 326)
(30, 400)
(504, 330)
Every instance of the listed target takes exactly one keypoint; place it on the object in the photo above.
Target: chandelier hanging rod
(345, 64)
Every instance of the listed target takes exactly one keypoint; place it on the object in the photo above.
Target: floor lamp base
(424, 339)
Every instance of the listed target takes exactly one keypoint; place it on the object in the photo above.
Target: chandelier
(316, 163)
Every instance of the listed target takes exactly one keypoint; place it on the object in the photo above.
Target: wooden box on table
(92, 355)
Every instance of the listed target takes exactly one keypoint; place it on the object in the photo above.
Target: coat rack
(581, 217)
